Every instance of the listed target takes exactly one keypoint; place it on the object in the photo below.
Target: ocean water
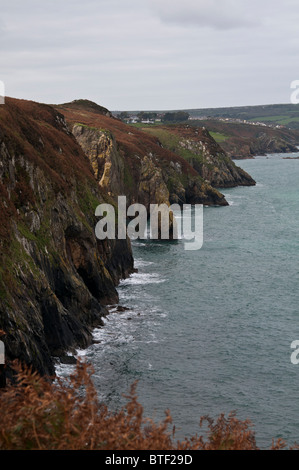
(210, 331)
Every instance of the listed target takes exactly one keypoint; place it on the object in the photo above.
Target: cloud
(155, 54)
(218, 14)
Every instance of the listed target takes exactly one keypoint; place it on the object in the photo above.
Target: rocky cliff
(131, 162)
(57, 164)
(265, 143)
(203, 153)
(241, 140)
(55, 277)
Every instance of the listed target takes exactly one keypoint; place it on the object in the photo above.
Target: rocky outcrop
(244, 140)
(202, 152)
(265, 144)
(151, 188)
(129, 162)
(56, 278)
(107, 163)
(212, 163)
(150, 183)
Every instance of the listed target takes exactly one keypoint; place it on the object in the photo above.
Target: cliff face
(55, 276)
(107, 163)
(241, 140)
(130, 162)
(265, 143)
(203, 153)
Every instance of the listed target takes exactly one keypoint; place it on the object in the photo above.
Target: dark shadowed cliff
(55, 276)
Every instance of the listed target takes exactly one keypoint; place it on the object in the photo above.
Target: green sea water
(210, 331)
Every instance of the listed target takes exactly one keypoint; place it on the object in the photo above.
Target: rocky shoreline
(57, 164)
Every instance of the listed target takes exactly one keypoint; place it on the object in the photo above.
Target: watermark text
(165, 222)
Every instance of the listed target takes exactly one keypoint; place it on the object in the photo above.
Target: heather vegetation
(66, 414)
(56, 278)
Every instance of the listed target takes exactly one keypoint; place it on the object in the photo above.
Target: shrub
(65, 414)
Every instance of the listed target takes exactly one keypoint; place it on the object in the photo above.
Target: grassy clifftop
(138, 150)
(198, 147)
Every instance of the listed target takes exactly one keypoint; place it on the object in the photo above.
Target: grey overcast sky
(150, 54)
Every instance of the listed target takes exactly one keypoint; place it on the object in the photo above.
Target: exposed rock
(121, 308)
(152, 188)
(155, 181)
(55, 276)
(244, 140)
(196, 145)
(71, 360)
(132, 163)
(101, 149)
(270, 144)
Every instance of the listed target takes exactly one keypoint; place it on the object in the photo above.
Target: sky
(150, 54)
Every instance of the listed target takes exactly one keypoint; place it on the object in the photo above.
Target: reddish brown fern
(65, 414)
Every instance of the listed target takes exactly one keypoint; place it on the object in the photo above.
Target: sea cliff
(55, 277)
(57, 164)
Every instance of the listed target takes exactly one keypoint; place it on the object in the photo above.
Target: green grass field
(283, 119)
(219, 137)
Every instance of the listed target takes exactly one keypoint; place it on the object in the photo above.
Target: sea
(210, 331)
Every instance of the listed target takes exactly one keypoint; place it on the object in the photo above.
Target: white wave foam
(142, 278)
(141, 263)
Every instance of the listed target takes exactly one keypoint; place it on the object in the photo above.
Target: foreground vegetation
(65, 414)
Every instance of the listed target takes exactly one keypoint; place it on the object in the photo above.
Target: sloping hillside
(56, 165)
(55, 276)
(204, 154)
(240, 140)
(137, 162)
